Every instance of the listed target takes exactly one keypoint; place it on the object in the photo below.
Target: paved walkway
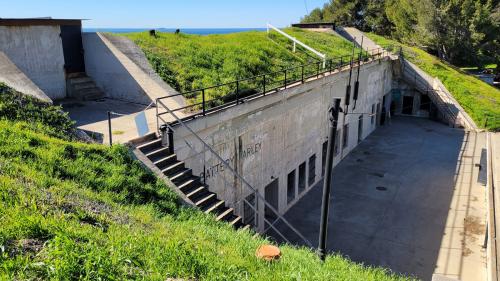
(407, 198)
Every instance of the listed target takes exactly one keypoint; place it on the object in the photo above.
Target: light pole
(333, 116)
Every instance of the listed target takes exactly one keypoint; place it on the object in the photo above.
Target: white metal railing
(295, 41)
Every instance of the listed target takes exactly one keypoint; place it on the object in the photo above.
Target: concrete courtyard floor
(92, 117)
(431, 218)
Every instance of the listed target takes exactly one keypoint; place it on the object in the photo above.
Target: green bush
(36, 113)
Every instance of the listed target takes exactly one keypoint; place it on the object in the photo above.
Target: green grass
(189, 62)
(480, 100)
(70, 210)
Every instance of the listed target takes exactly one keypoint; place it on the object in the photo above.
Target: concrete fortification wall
(16, 79)
(268, 138)
(37, 52)
(121, 69)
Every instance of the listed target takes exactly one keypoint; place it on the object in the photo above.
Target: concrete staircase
(191, 186)
(82, 87)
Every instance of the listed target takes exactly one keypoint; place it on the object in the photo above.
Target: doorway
(407, 105)
(71, 36)
(272, 198)
(360, 128)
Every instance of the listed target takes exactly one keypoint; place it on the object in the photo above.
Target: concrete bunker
(277, 142)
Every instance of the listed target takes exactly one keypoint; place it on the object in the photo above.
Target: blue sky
(156, 13)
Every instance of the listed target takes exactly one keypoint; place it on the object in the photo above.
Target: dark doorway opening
(272, 198)
(407, 105)
(383, 113)
(360, 128)
(250, 210)
(302, 177)
(71, 36)
(425, 103)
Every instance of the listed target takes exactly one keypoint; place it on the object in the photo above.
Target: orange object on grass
(268, 252)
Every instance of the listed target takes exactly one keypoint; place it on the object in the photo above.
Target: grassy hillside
(189, 62)
(71, 211)
(480, 100)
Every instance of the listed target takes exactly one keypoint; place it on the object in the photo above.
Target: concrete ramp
(120, 68)
(17, 80)
(353, 34)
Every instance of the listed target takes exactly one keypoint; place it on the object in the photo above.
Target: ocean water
(199, 31)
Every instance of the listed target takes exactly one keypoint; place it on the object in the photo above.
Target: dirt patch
(473, 226)
(24, 247)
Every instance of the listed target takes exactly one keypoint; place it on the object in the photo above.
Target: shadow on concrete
(88, 112)
(390, 197)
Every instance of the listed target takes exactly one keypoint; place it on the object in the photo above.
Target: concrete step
(205, 200)
(80, 80)
(216, 205)
(172, 169)
(87, 91)
(197, 192)
(187, 184)
(246, 227)
(158, 153)
(148, 146)
(162, 162)
(224, 214)
(83, 85)
(182, 175)
(235, 221)
(76, 75)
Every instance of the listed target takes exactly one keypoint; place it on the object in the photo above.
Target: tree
(316, 15)
(460, 31)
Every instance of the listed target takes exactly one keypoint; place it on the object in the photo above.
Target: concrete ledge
(17, 80)
(493, 196)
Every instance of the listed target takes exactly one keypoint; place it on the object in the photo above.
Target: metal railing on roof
(210, 99)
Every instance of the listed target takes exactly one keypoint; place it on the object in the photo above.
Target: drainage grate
(381, 188)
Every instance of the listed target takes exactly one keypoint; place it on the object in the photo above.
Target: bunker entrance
(272, 197)
(407, 105)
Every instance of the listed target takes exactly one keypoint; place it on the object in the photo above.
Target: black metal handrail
(263, 84)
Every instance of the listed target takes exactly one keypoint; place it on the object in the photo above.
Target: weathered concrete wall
(17, 80)
(266, 138)
(118, 75)
(420, 107)
(37, 52)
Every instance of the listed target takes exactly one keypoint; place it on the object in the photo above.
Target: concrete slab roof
(38, 21)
